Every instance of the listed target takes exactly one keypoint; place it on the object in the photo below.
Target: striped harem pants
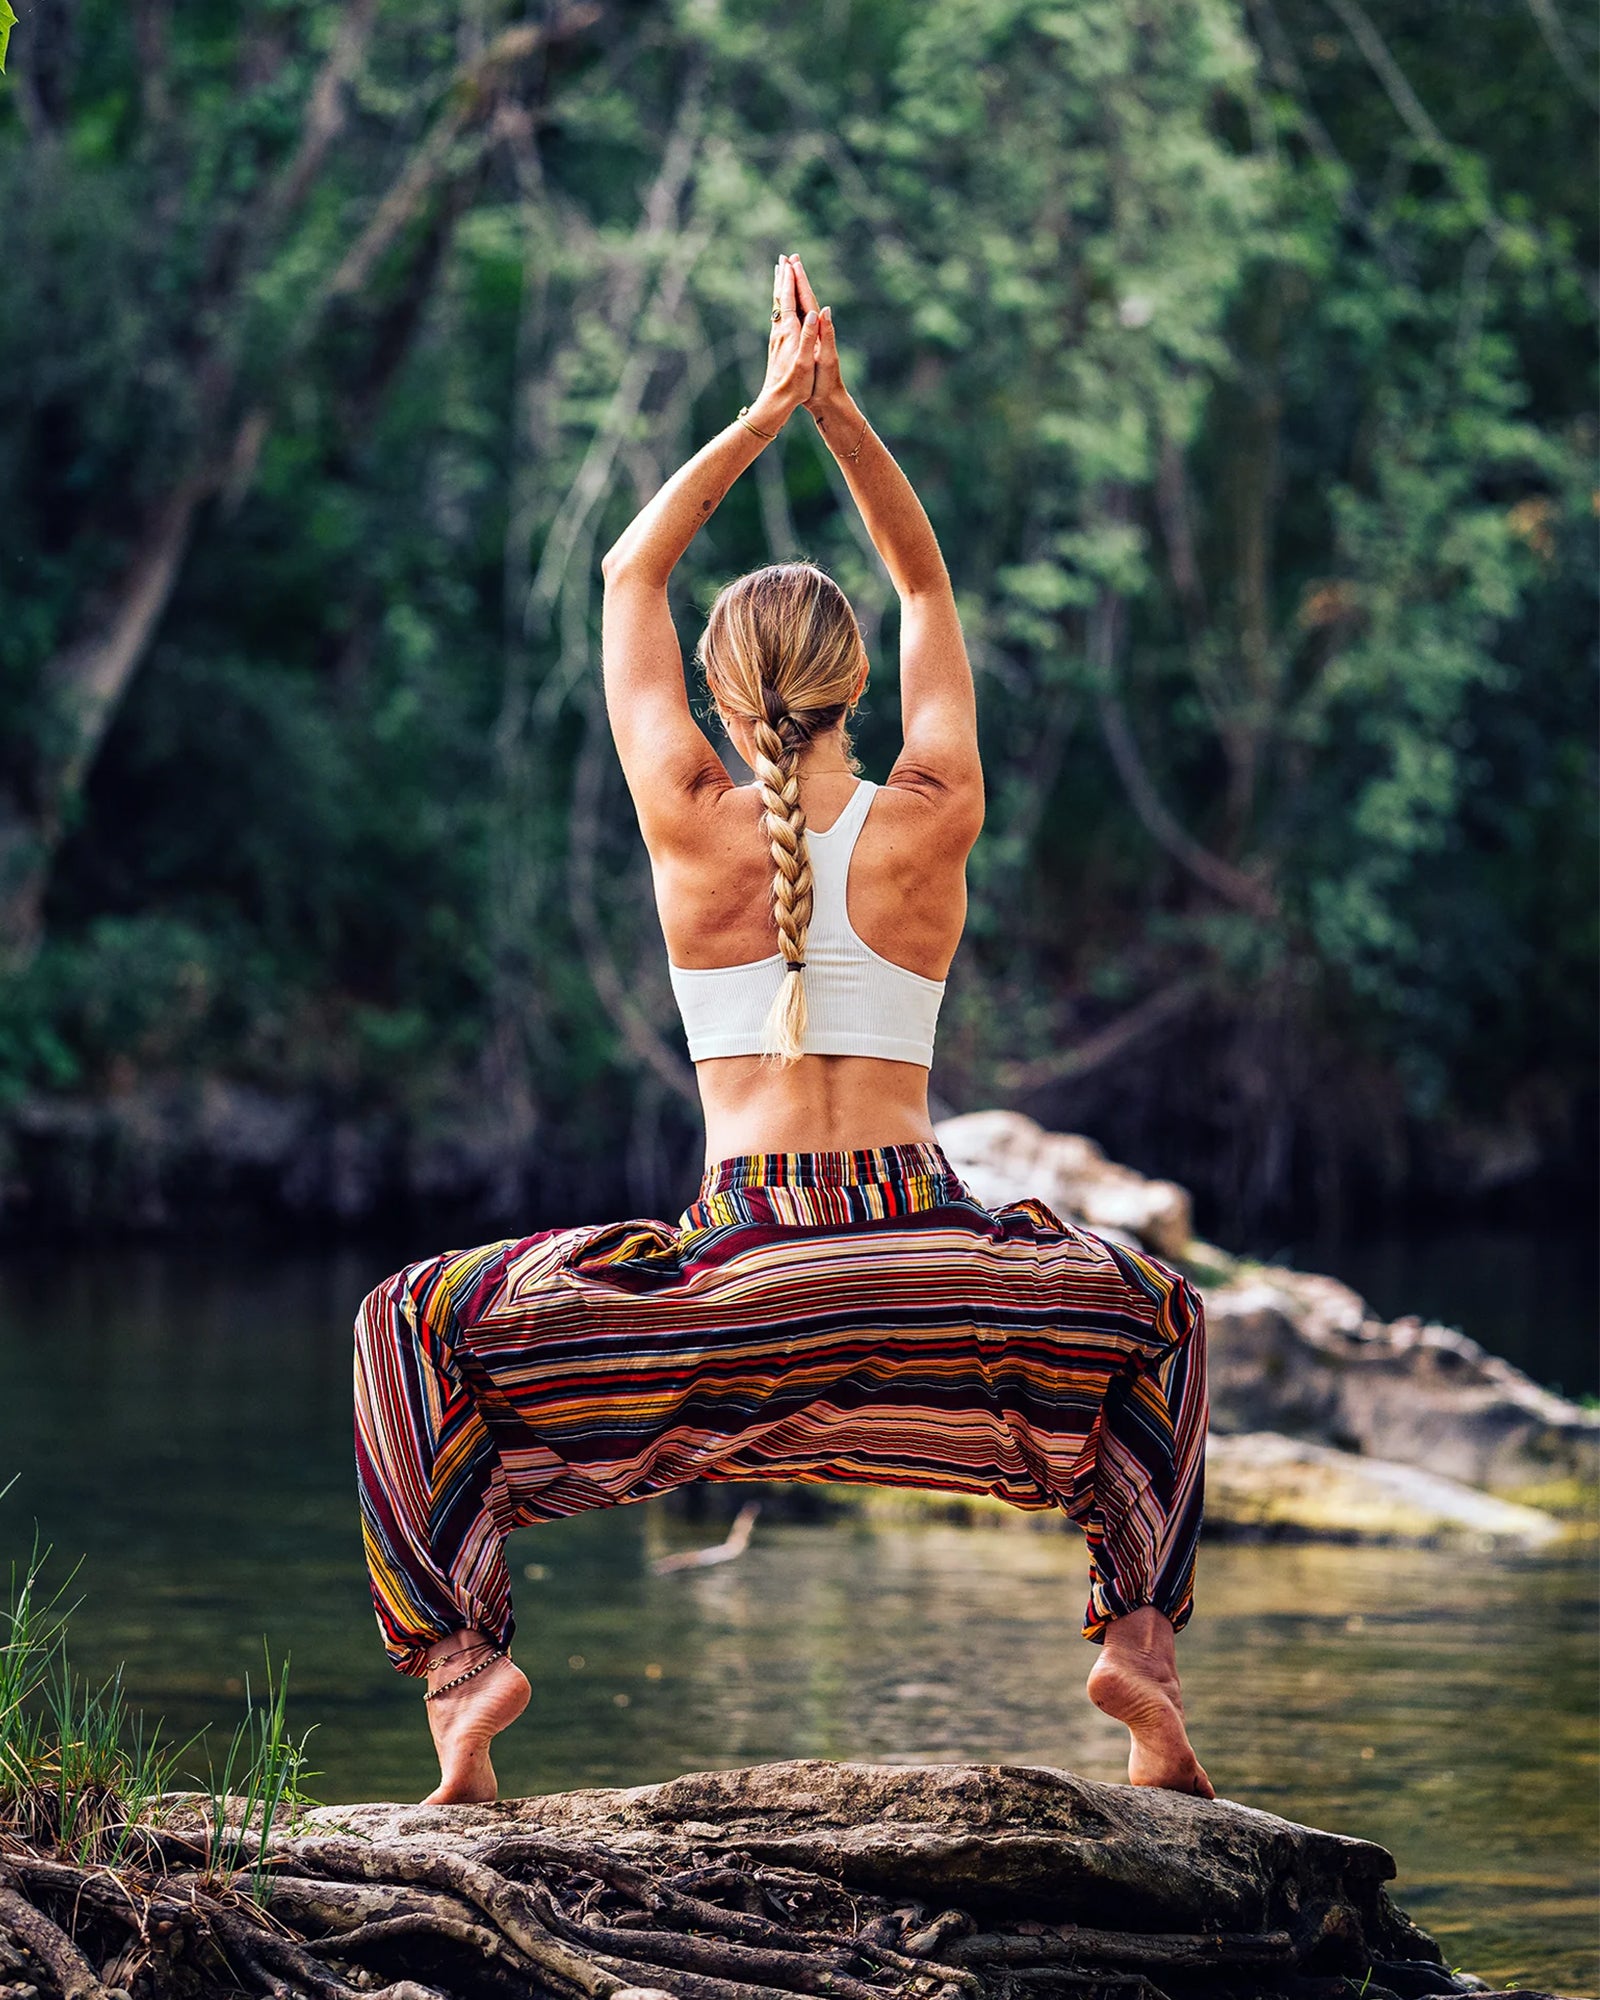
(845, 1316)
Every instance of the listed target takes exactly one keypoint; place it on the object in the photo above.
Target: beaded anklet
(472, 1673)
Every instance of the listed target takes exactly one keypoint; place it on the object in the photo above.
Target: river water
(181, 1422)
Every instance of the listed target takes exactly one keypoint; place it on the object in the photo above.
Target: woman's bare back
(906, 901)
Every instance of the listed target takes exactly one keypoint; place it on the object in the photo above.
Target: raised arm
(938, 707)
(665, 755)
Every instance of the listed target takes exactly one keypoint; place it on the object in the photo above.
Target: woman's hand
(791, 351)
(830, 400)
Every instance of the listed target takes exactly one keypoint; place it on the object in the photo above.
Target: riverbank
(197, 1153)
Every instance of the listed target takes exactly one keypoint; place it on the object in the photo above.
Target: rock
(818, 1878)
(1325, 1309)
(1302, 1354)
(1264, 1373)
(1001, 1842)
(1263, 1483)
(1003, 1156)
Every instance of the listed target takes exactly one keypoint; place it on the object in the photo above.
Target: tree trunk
(87, 680)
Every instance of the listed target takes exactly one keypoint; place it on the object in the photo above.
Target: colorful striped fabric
(847, 1316)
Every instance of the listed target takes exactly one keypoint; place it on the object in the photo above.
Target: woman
(835, 1305)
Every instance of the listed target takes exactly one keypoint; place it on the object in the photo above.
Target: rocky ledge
(858, 1881)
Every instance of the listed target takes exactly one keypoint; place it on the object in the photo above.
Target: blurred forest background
(1243, 351)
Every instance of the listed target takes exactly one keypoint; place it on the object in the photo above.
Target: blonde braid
(783, 652)
(777, 770)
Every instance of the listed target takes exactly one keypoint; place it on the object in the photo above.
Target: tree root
(1069, 1944)
(62, 1966)
(367, 1940)
(535, 1916)
(737, 1964)
(284, 1961)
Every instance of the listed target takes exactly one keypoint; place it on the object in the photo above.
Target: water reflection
(184, 1422)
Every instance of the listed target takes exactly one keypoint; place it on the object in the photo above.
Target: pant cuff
(410, 1656)
(1101, 1613)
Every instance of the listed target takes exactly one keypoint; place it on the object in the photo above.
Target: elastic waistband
(825, 1189)
(803, 1190)
(876, 1166)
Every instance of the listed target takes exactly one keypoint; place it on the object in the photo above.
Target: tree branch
(777, 523)
(517, 1912)
(594, 472)
(470, 100)
(68, 1972)
(152, 25)
(1169, 1004)
(325, 115)
(1287, 72)
(1553, 28)
(1176, 514)
(1224, 880)
(632, 1023)
(1397, 87)
(1396, 84)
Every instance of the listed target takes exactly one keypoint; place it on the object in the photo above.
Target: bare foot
(1135, 1679)
(466, 1721)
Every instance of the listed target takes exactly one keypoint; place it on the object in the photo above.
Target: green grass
(258, 1778)
(80, 1770)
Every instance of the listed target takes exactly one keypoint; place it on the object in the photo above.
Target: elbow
(968, 805)
(963, 784)
(622, 558)
(621, 564)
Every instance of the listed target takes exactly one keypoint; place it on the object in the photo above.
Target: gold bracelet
(855, 453)
(766, 436)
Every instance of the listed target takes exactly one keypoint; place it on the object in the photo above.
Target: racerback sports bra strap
(858, 1003)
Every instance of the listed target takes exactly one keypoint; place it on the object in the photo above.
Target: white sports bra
(857, 1003)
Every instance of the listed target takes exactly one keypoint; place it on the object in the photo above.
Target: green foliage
(1251, 402)
(80, 1771)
